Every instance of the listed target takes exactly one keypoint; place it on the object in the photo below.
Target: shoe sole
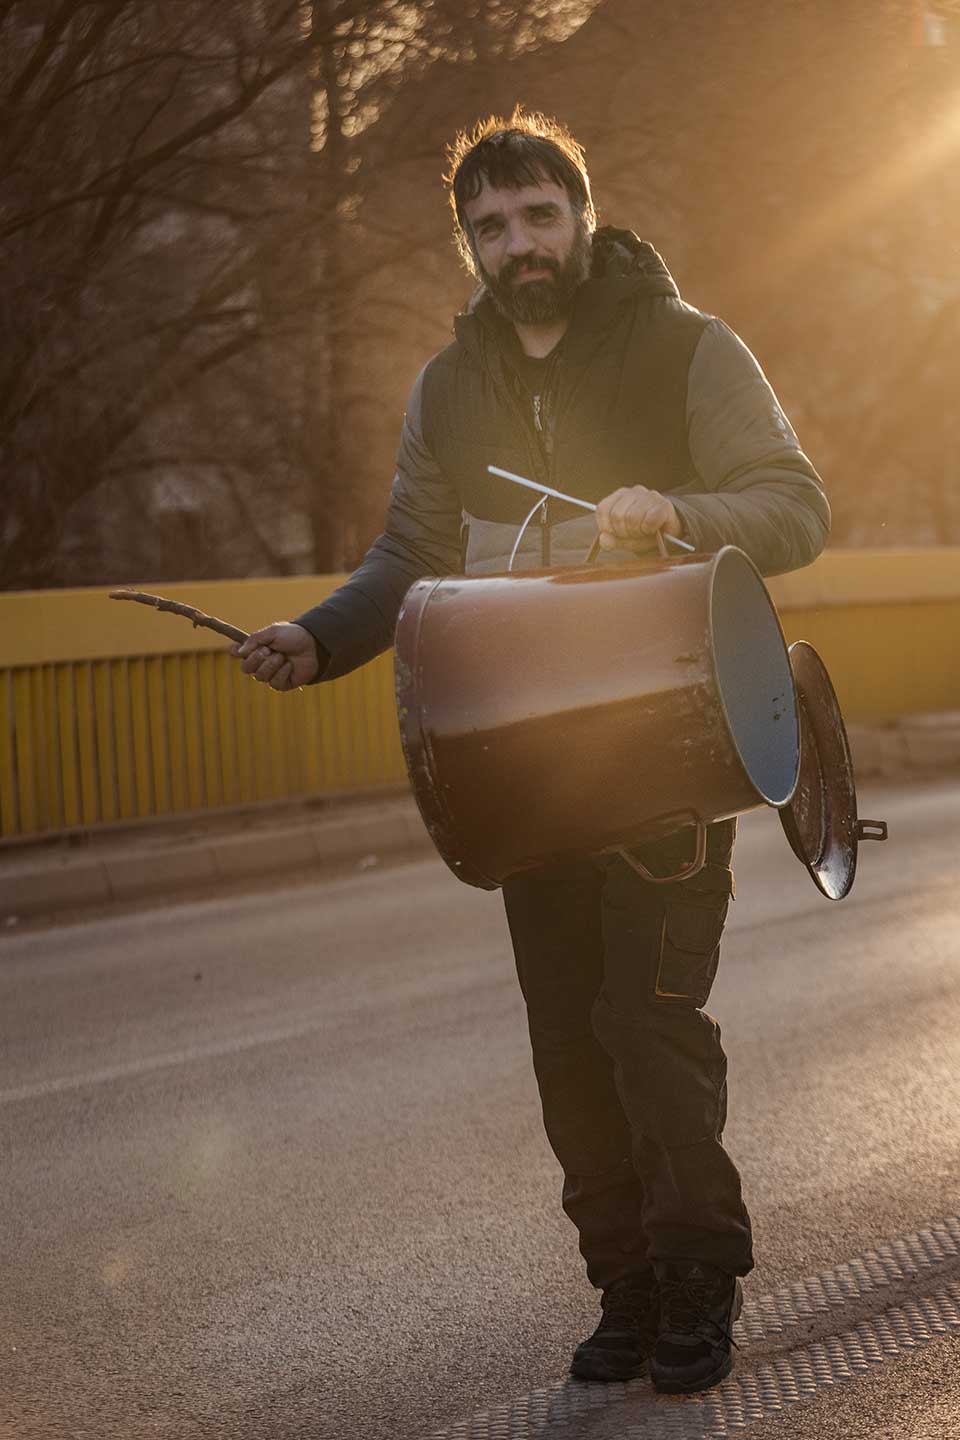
(677, 1387)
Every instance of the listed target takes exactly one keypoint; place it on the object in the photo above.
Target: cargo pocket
(694, 912)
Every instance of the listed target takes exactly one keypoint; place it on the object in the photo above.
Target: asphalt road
(273, 1165)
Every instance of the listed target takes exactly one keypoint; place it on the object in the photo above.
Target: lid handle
(871, 829)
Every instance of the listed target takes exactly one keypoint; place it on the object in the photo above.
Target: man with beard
(577, 363)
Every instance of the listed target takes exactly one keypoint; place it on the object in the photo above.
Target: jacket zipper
(539, 467)
(545, 537)
(545, 507)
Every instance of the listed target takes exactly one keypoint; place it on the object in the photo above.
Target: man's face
(532, 249)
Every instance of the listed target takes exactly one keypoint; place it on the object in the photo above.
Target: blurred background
(226, 249)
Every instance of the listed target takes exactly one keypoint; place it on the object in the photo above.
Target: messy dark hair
(510, 153)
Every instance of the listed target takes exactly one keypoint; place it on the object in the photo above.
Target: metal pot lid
(821, 821)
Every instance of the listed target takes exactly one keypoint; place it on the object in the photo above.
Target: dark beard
(541, 302)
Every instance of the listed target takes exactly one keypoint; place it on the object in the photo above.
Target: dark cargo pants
(631, 1071)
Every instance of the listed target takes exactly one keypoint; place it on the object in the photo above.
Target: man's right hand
(283, 656)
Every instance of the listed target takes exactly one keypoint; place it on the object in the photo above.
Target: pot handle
(594, 551)
(685, 873)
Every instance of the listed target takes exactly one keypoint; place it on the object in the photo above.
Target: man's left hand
(630, 518)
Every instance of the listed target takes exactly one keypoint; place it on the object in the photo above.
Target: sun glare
(915, 161)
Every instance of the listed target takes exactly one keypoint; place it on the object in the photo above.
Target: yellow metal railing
(109, 712)
(887, 623)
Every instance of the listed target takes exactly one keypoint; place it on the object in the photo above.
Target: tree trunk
(324, 407)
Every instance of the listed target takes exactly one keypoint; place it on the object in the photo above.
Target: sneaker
(698, 1306)
(621, 1344)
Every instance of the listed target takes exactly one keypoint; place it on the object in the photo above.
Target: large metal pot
(580, 711)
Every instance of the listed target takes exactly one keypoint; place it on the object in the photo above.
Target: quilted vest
(620, 413)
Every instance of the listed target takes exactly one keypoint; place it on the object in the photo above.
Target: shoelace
(627, 1304)
(684, 1305)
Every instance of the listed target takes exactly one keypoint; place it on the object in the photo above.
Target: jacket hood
(623, 255)
(623, 267)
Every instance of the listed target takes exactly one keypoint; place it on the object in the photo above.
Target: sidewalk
(206, 850)
(319, 838)
(913, 746)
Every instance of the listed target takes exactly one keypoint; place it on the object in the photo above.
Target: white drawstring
(516, 546)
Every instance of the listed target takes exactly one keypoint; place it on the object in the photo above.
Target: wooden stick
(189, 612)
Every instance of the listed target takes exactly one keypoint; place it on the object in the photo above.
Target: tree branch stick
(189, 612)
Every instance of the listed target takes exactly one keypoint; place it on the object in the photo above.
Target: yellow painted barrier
(110, 712)
(887, 623)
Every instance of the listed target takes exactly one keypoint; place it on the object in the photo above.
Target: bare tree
(181, 190)
(136, 200)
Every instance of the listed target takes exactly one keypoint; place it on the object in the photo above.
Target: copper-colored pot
(573, 712)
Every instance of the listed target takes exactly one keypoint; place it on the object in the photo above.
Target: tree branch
(44, 48)
(199, 618)
(123, 174)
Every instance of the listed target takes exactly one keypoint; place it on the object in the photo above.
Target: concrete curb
(911, 747)
(185, 854)
(47, 879)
